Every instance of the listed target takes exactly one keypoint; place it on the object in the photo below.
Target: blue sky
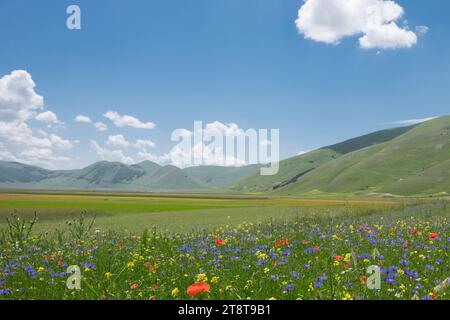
(172, 62)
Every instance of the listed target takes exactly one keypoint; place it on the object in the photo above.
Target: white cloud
(162, 160)
(48, 117)
(101, 126)
(330, 21)
(7, 156)
(60, 143)
(214, 151)
(422, 30)
(412, 121)
(127, 121)
(117, 140)
(18, 134)
(303, 152)
(18, 100)
(143, 144)
(19, 103)
(111, 155)
(82, 119)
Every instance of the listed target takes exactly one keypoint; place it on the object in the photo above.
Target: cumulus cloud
(117, 140)
(330, 21)
(60, 143)
(18, 100)
(111, 155)
(48, 117)
(127, 121)
(82, 119)
(19, 103)
(214, 149)
(100, 126)
(142, 144)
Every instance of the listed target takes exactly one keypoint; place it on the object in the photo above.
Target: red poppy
(346, 266)
(153, 269)
(285, 242)
(414, 231)
(147, 264)
(154, 286)
(433, 236)
(120, 245)
(219, 242)
(60, 261)
(277, 244)
(134, 286)
(197, 288)
(316, 248)
(339, 258)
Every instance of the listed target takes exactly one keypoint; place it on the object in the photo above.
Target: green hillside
(18, 172)
(219, 177)
(145, 176)
(293, 169)
(413, 163)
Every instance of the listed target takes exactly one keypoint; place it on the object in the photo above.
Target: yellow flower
(202, 277)
(40, 269)
(175, 292)
(400, 272)
(108, 275)
(214, 280)
(347, 257)
(347, 296)
(266, 270)
(272, 298)
(130, 265)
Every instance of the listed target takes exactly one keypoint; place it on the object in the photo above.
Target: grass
(318, 253)
(136, 212)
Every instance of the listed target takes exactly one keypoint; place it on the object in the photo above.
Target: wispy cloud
(412, 121)
(127, 121)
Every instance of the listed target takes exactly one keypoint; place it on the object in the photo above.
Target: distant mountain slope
(292, 169)
(19, 172)
(415, 162)
(144, 176)
(219, 177)
(412, 160)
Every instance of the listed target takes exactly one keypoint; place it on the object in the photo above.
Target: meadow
(194, 247)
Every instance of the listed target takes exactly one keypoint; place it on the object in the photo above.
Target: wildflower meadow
(301, 259)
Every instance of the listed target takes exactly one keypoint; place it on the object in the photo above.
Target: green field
(135, 212)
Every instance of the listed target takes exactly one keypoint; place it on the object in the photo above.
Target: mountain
(405, 161)
(145, 176)
(293, 169)
(219, 177)
(415, 162)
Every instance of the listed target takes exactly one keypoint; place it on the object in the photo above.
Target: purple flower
(290, 287)
(404, 262)
(261, 262)
(318, 284)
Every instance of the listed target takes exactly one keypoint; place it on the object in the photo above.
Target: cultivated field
(135, 212)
